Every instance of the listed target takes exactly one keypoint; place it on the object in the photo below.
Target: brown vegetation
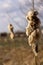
(18, 52)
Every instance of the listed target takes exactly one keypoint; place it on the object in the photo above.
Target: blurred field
(18, 52)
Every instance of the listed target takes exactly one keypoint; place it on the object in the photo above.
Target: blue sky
(14, 11)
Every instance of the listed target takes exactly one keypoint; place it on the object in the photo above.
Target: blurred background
(17, 51)
(14, 12)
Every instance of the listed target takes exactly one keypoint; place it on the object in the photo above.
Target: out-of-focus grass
(6, 45)
(20, 45)
(17, 41)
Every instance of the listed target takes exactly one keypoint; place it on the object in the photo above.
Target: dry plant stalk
(33, 30)
(10, 28)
